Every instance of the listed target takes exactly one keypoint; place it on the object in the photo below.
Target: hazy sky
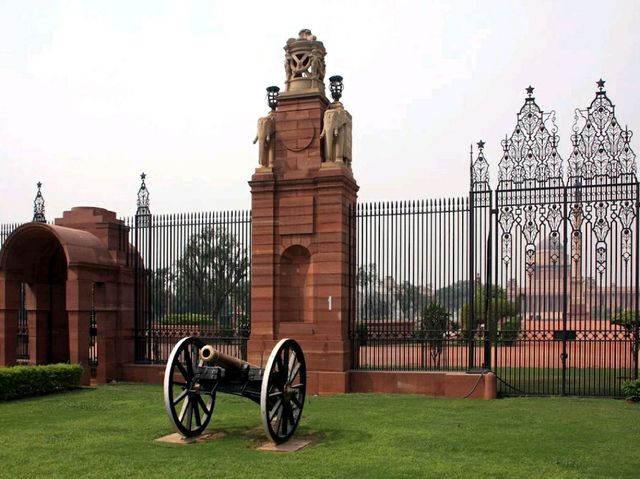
(94, 93)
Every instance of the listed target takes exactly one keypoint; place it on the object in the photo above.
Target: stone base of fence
(431, 383)
(143, 373)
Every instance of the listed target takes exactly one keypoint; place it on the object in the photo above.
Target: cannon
(196, 372)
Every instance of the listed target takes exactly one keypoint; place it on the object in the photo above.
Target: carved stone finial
(304, 63)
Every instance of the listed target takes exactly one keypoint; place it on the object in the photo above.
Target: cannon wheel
(188, 403)
(283, 391)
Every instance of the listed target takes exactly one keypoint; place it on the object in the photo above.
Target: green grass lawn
(109, 432)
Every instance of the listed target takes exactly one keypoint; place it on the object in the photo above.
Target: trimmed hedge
(24, 381)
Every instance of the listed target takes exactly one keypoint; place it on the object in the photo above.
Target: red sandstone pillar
(37, 305)
(302, 235)
(78, 313)
(10, 298)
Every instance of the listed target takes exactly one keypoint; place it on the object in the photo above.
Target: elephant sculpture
(265, 137)
(336, 133)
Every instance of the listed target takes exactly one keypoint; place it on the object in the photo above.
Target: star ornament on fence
(480, 144)
(529, 90)
(600, 84)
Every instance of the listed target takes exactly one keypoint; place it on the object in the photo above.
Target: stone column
(78, 314)
(302, 233)
(37, 305)
(10, 298)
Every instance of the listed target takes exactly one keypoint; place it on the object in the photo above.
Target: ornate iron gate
(561, 295)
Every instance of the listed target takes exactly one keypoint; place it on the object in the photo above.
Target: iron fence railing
(192, 279)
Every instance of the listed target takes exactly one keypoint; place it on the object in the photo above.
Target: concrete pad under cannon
(177, 438)
(292, 445)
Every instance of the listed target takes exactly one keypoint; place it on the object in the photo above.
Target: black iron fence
(192, 279)
(536, 280)
(411, 286)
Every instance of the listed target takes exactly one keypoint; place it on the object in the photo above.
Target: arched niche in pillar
(295, 292)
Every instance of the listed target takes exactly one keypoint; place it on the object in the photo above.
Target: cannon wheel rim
(191, 410)
(283, 391)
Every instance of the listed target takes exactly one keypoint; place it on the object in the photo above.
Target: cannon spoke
(189, 414)
(180, 397)
(196, 412)
(189, 363)
(277, 407)
(294, 372)
(183, 371)
(297, 402)
(202, 404)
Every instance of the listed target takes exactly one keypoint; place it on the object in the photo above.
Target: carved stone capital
(304, 63)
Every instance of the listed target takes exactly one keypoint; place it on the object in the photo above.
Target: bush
(24, 381)
(188, 319)
(631, 390)
(509, 330)
(362, 334)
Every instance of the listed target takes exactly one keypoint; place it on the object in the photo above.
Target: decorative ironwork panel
(479, 170)
(567, 263)
(530, 156)
(601, 147)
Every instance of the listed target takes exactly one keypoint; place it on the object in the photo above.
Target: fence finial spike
(38, 206)
(143, 197)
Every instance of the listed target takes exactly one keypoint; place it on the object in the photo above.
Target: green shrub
(362, 334)
(25, 381)
(509, 330)
(631, 390)
(188, 319)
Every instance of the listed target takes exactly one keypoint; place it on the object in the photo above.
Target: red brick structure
(70, 269)
(301, 238)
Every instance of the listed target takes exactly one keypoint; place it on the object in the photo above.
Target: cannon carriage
(196, 372)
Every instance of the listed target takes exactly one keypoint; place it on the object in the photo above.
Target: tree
(210, 272)
(412, 299)
(372, 303)
(629, 319)
(434, 324)
(453, 296)
(490, 307)
(159, 285)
